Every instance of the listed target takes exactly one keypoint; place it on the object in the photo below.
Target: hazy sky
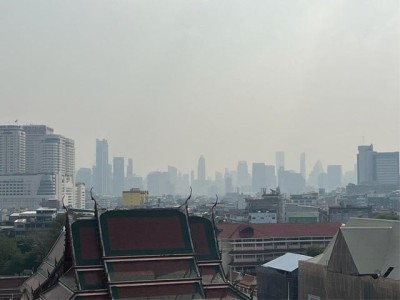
(166, 81)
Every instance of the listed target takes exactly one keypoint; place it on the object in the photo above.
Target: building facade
(245, 246)
(135, 197)
(101, 182)
(377, 168)
(35, 165)
(12, 150)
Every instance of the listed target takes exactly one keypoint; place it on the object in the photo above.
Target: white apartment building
(34, 135)
(80, 195)
(35, 165)
(12, 150)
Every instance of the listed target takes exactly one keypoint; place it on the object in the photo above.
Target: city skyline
(228, 80)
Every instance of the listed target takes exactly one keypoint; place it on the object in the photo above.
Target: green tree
(314, 250)
(11, 258)
(387, 216)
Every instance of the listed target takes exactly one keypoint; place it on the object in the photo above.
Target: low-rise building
(245, 246)
(343, 213)
(135, 197)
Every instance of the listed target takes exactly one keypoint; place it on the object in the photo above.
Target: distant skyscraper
(102, 167)
(270, 176)
(84, 175)
(365, 165)
(259, 177)
(34, 135)
(280, 166)
(57, 155)
(12, 150)
(387, 168)
(334, 177)
(313, 178)
(129, 175)
(45, 162)
(129, 168)
(118, 175)
(201, 169)
(228, 184)
(280, 160)
(377, 167)
(158, 184)
(243, 177)
(303, 165)
(173, 178)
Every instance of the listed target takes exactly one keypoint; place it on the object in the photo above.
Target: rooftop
(234, 230)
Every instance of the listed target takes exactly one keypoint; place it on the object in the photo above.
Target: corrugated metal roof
(287, 262)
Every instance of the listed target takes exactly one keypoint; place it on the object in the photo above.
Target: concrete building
(343, 213)
(309, 199)
(158, 184)
(135, 197)
(243, 177)
(12, 150)
(101, 171)
(272, 203)
(377, 168)
(35, 165)
(334, 177)
(84, 175)
(295, 213)
(280, 160)
(118, 175)
(80, 195)
(34, 135)
(291, 182)
(259, 177)
(387, 168)
(361, 262)
(201, 169)
(245, 246)
(365, 165)
(303, 166)
(271, 177)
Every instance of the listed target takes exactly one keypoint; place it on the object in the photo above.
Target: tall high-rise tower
(102, 168)
(243, 177)
(303, 165)
(201, 169)
(12, 150)
(365, 165)
(57, 155)
(334, 176)
(259, 177)
(279, 160)
(34, 135)
(118, 175)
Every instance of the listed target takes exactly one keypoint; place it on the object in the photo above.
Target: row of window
(281, 239)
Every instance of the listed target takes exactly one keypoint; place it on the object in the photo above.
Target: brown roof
(233, 230)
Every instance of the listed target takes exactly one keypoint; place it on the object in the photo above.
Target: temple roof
(133, 254)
